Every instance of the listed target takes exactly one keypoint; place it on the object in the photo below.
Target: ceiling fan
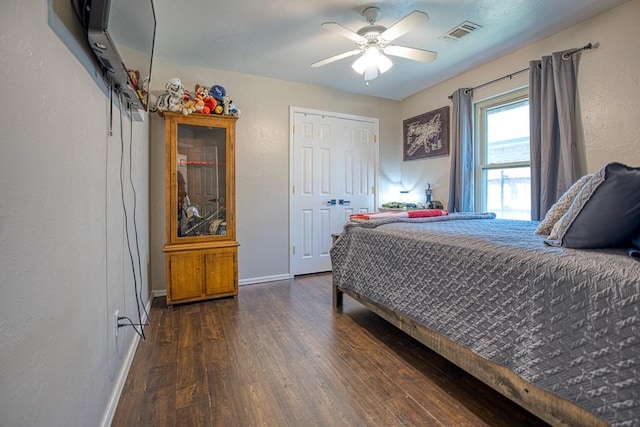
(373, 40)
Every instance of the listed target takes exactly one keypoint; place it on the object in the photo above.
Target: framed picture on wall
(426, 135)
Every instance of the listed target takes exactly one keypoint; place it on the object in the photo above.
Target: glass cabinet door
(201, 181)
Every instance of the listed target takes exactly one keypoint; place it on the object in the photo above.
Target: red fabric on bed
(421, 213)
(424, 213)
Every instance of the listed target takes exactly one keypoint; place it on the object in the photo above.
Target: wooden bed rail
(545, 405)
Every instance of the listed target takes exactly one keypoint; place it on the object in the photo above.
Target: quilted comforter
(565, 320)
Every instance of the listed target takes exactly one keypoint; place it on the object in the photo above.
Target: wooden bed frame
(545, 405)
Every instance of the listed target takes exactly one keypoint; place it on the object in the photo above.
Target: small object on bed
(418, 213)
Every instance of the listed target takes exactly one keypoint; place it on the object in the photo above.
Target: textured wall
(609, 86)
(63, 259)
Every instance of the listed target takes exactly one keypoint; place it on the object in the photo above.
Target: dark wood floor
(279, 355)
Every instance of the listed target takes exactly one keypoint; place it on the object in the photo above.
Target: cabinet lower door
(186, 275)
(221, 272)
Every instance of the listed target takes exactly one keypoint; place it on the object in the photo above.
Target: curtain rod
(510, 76)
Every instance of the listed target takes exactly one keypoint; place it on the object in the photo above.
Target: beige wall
(64, 263)
(609, 86)
(262, 159)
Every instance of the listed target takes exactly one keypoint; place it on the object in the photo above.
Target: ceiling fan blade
(404, 25)
(343, 31)
(336, 58)
(411, 53)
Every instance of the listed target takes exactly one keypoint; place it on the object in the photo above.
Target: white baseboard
(121, 379)
(263, 279)
(159, 293)
(243, 282)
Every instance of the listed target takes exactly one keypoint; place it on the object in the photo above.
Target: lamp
(370, 62)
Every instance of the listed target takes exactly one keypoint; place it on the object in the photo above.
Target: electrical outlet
(116, 315)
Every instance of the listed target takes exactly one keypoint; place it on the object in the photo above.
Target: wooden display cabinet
(201, 250)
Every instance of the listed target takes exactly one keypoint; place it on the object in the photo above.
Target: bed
(556, 330)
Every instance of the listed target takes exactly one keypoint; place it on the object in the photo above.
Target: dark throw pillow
(606, 212)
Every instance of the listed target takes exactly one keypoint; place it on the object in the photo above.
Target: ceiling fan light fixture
(372, 58)
(384, 64)
(359, 65)
(372, 42)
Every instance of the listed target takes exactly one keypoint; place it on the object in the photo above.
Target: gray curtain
(461, 186)
(555, 133)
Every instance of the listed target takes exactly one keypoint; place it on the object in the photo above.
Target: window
(503, 172)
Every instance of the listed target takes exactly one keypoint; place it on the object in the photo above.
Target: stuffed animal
(134, 77)
(208, 102)
(210, 105)
(218, 92)
(233, 110)
(172, 98)
(188, 107)
(144, 93)
(226, 101)
(201, 91)
(186, 96)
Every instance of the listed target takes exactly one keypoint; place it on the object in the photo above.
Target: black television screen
(122, 34)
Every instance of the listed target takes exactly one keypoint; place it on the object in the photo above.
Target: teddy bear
(208, 102)
(172, 98)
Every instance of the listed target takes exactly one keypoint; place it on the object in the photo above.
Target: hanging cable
(126, 225)
(135, 222)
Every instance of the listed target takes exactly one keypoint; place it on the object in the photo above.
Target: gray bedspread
(565, 320)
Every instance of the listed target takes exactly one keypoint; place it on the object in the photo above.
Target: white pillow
(561, 207)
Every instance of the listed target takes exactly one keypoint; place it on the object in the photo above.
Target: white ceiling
(281, 38)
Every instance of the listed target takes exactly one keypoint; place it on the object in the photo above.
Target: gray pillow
(560, 207)
(605, 213)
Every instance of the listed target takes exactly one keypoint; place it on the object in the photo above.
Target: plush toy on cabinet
(208, 102)
(233, 110)
(226, 101)
(144, 93)
(218, 92)
(172, 98)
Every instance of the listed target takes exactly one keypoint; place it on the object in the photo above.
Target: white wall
(63, 259)
(262, 159)
(609, 86)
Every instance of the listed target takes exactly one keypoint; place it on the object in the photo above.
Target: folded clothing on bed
(419, 213)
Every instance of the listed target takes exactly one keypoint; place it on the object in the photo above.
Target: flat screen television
(122, 35)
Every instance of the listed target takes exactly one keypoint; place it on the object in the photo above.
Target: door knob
(331, 202)
(344, 202)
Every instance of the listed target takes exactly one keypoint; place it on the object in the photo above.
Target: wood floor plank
(279, 354)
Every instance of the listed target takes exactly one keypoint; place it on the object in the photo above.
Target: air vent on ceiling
(460, 31)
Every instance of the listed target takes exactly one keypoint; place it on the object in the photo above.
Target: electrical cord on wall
(129, 323)
(135, 205)
(140, 331)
